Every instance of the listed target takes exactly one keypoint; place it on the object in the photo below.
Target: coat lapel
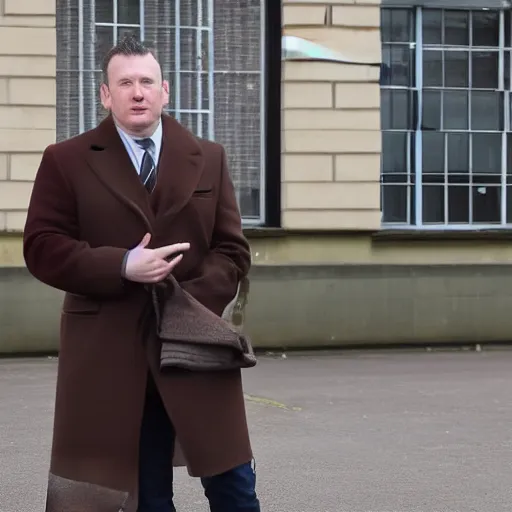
(109, 159)
(179, 169)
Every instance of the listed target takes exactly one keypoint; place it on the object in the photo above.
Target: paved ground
(361, 432)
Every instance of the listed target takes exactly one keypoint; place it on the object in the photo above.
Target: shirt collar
(156, 137)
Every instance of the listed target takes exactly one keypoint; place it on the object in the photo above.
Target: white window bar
(263, 138)
(142, 20)
(115, 24)
(418, 139)
(408, 182)
(92, 63)
(199, 68)
(506, 120)
(81, 120)
(211, 67)
(177, 53)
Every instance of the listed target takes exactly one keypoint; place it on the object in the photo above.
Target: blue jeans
(233, 491)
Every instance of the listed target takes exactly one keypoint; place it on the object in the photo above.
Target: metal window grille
(445, 88)
(211, 52)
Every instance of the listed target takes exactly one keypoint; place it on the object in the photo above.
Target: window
(211, 53)
(446, 123)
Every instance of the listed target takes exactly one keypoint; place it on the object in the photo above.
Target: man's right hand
(151, 265)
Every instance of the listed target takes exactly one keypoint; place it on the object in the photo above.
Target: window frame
(414, 155)
(266, 214)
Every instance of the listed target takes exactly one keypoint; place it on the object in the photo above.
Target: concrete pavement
(384, 431)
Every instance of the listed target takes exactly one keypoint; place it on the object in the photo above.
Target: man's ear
(165, 92)
(105, 97)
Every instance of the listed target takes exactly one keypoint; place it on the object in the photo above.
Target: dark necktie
(147, 169)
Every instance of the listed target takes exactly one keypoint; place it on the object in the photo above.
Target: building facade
(375, 189)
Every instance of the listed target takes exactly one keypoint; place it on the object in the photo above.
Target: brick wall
(27, 100)
(331, 118)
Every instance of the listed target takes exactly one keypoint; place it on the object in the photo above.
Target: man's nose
(137, 92)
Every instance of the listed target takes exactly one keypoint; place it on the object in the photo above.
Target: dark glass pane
(458, 152)
(159, 15)
(205, 6)
(509, 153)
(189, 93)
(433, 152)
(67, 105)
(486, 28)
(431, 110)
(385, 109)
(486, 179)
(104, 11)
(485, 73)
(486, 110)
(204, 60)
(189, 13)
(189, 121)
(433, 204)
(458, 204)
(401, 110)
(486, 153)
(486, 204)
(456, 28)
(396, 109)
(398, 67)
(104, 41)
(508, 21)
(385, 25)
(509, 205)
(395, 179)
(432, 26)
(188, 49)
(394, 152)
(455, 110)
(394, 203)
(237, 97)
(432, 68)
(128, 12)
(507, 69)
(456, 66)
(93, 110)
(237, 38)
(205, 90)
(401, 26)
(164, 39)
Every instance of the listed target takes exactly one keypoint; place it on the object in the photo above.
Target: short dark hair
(128, 46)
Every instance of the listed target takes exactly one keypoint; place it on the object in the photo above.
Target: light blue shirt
(136, 152)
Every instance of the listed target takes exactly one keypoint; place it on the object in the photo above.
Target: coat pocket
(80, 305)
(203, 192)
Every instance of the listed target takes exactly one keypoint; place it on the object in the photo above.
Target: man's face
(135, 93)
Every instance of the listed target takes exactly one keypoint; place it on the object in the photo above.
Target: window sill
(263, 232)
(386, 235)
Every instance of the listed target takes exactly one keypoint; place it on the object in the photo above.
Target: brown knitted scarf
(193, 337)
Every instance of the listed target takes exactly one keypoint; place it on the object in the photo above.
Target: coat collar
(179, 169)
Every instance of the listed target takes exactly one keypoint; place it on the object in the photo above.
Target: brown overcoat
(88, 207)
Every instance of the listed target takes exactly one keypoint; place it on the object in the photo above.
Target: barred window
(446, 125)
(212, 55)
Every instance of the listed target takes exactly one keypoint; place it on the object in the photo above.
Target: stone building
(374, 188)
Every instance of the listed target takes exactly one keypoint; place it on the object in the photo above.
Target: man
(112, 211)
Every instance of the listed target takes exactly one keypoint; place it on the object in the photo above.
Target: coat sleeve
(229, 258)
(51, 247)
